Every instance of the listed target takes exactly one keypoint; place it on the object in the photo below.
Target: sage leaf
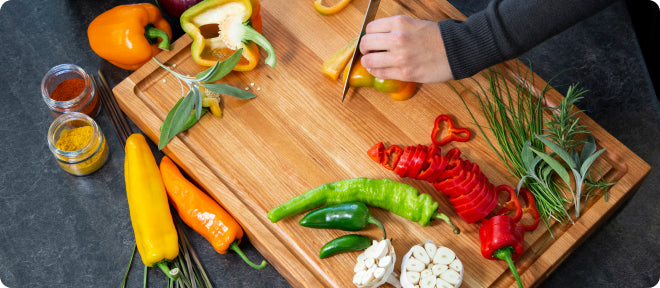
(558, 150)
(167, 123)
(229, 90)
(588, 148)
(220, 69)
(198, 101)
(178, 120)
(590, 160)
(556, 166)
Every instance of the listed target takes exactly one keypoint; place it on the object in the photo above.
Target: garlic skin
(431, 266)
(375, 266)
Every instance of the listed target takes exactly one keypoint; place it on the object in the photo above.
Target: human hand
(405, 49)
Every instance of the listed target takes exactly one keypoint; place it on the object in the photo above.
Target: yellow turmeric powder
(91, 152)
(74, 139)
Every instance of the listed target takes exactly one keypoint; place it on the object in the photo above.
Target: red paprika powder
(68, 89)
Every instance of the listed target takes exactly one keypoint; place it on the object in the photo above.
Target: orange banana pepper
(128, 35)
(202, 213)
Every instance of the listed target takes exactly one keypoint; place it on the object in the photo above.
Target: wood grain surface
(297, 135)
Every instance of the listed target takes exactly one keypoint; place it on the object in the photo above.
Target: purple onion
(175, 8)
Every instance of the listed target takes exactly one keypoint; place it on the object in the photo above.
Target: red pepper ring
(404, 162)
(417, 161)
(512, 203)
(376, 153)
(530, 207)
(453, 133)
(391, 156)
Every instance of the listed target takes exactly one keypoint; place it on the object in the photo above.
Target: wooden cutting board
(297, 135)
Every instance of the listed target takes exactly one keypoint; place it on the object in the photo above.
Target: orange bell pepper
(128, 35)
(201, 213)
(215, 25)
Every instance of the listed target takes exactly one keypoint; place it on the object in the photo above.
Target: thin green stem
(234, 247)
(250, 34)
(128, 268)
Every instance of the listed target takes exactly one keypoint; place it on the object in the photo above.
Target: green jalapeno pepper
(350, 242)
(351, 216)
(396, 197)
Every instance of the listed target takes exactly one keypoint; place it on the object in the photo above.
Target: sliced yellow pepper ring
(325, 10)
(212, 101)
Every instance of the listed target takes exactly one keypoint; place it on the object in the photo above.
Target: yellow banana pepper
(155, 234)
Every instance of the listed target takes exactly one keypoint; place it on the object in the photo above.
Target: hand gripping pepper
(220, 27)
(360, 77)
(155, 235)
(128, 35)
(351, 216)
(201, 213)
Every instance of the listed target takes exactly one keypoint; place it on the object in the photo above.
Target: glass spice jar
(68, 88)
(77, 143)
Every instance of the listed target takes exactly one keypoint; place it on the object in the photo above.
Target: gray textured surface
(63, 231)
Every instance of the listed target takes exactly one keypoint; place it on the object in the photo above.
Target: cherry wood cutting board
(297, 135)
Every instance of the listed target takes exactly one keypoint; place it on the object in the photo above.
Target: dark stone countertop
(63, 231)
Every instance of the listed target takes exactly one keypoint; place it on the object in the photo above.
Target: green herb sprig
(180, 117)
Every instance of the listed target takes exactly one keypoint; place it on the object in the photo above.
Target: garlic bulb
(375, 265)
(431, 266)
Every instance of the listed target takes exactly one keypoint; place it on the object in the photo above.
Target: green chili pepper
(351, 216)
(350, 242)
(399, 198)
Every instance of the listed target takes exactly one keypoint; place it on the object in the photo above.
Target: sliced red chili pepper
(417, 161)
(391, 156)
(530, 208)
(401, 167)
(469, 187)
(453, 133)
(376, 153)
(472, 213)
(442, 164)
(510, 203)
(458, 175)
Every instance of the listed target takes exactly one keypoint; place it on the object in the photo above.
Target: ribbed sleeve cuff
(470, 45)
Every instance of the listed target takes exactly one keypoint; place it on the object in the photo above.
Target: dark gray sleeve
(507, 29)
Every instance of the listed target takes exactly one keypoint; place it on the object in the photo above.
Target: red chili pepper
(502, 238)
(453, 133)
(512, 203)
(404, 162)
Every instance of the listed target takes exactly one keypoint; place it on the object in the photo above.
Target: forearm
(508, 28)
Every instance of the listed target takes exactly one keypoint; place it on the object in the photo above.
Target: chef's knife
(368, 17)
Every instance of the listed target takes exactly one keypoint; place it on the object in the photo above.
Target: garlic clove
(457, 265)
(420, 254)
(379, 272)
(427, 282)
(359, 266)
(426, 274)
(385, 261)
(430, 248)
(413, 277)
(451, 276)
(444, 256)
(415, 265)
(438, 269)
(439, 283)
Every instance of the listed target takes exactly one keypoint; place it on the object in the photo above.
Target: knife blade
(368, 17)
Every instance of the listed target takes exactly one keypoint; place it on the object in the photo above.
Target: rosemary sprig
(178, 119)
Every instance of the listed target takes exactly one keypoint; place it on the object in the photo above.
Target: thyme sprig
(180, 117)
